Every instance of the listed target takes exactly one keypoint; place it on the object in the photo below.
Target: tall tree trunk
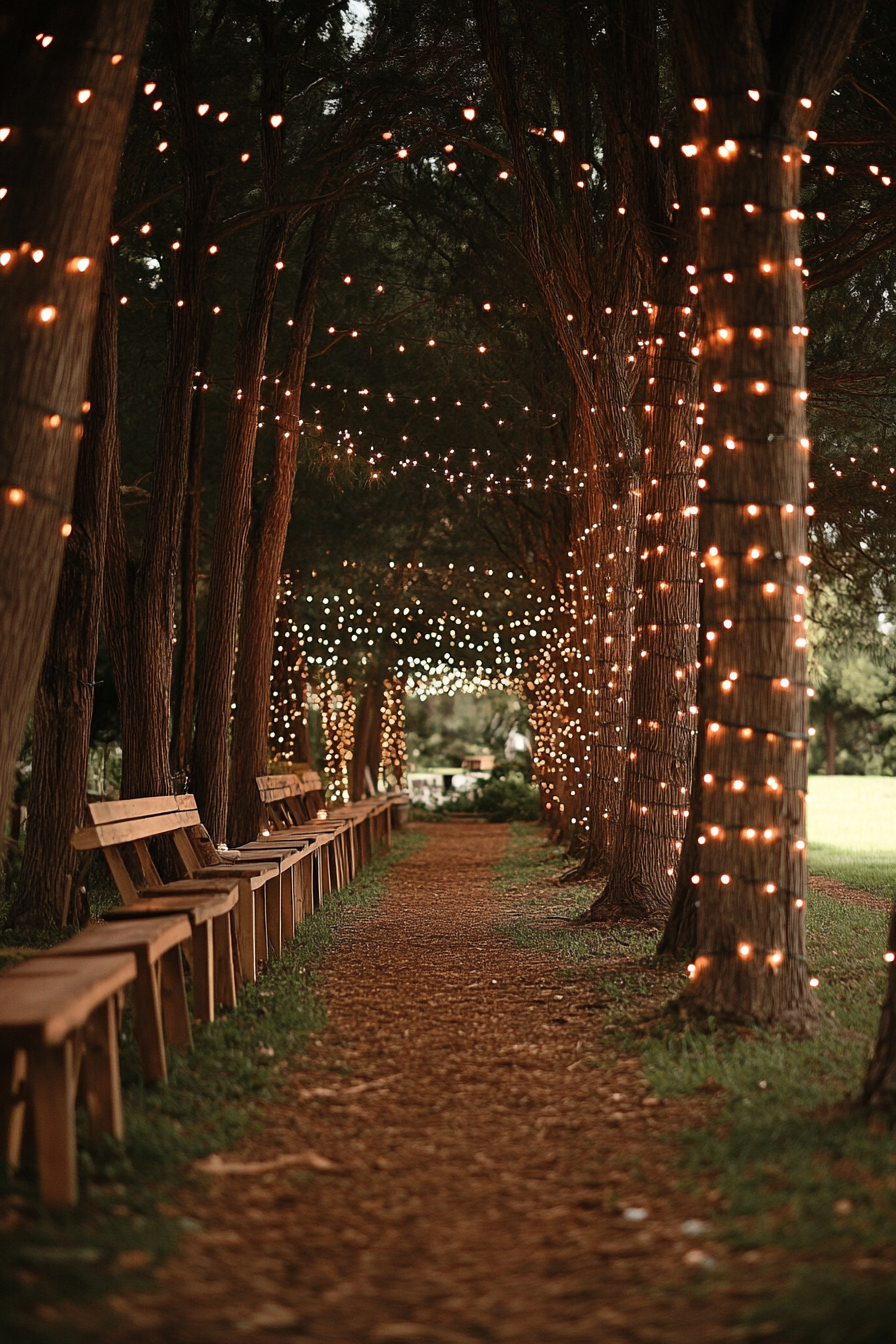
(64, 703)
(140, 596)
(185, 676)
(880, 1080)
(660, 744)
(590, 286)
(265, 557)
(368, 738)
(66, 108)
(751, 932)
(830, 743)
(234, 506)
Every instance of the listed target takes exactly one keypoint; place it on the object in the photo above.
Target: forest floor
(493, 1139)
(496, 1131)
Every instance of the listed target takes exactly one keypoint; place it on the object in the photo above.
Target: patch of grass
(796, 1160)
(544, 921)
(798, 1166)
(851, 827)
(136, 1197)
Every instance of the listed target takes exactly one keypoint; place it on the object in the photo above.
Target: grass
(852, 831)
(804, 1179)
(136, 1197)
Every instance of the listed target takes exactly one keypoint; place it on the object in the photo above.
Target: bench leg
(225, 980)
(53, 1093)
(175, 1012)
(261, 926)
(203, 974)
(148, 1020)
(288, 903)
(274, 917)
(13, 1074)
(246, 932)
(100, 1071)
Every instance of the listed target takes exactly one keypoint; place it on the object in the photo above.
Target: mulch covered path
(482, 1165)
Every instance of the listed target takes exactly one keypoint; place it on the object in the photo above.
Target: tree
(747, 142)
(64, 702)
(67, 74)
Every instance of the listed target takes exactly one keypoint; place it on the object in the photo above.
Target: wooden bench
(290, 815)
(59, 1020)
(160, 999)
(125, 827)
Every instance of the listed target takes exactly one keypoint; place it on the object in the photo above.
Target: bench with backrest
(266, 880)
(59, 1022)
(123, 830)
(290, 812)
(296, 800)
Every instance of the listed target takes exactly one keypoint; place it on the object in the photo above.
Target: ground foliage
(804, 1184)
(137, 1198)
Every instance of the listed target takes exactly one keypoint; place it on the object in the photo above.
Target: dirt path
(482, 1165)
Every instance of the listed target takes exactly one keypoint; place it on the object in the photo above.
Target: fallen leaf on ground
(216, 1165)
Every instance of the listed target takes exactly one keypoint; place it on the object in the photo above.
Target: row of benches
(224, 915)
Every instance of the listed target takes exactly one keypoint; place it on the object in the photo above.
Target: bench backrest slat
(133, 821)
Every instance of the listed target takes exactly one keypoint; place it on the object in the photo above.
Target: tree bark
(751, 938)
(64, 702)
(660, 744)
(265, 555)
(140, 595)
(66, 106)
(185, 676)
(880, 1081)
(234, 506)
(830, 743)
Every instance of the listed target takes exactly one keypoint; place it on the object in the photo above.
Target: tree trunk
(234, 506)
(140, 596)
(265, 557)
(751, 936)
(64, 703)
(368, 739)
(880, 1080)
(66, 106)
(830, 743)
(660, 744)
(185, 690)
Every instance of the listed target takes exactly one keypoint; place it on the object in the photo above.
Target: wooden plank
(126, 831)
(46, 998)
(155, 935)
(126, 809)
(201, 906)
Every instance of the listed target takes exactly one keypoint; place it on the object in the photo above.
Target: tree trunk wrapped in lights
(660, 745)
(337, 713)
(65, 95)
(588, 281)
(393, 745)
(288, 738)
(64, 702)
(755, 81)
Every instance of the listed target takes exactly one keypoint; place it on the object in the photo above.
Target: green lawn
(852, 830)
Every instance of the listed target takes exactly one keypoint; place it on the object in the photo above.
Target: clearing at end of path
(486, 1144)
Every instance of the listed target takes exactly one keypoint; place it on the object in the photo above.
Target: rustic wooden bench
(159, 997)
(122, 830)
(284, 799)
(209, 907)
(59, 1020)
